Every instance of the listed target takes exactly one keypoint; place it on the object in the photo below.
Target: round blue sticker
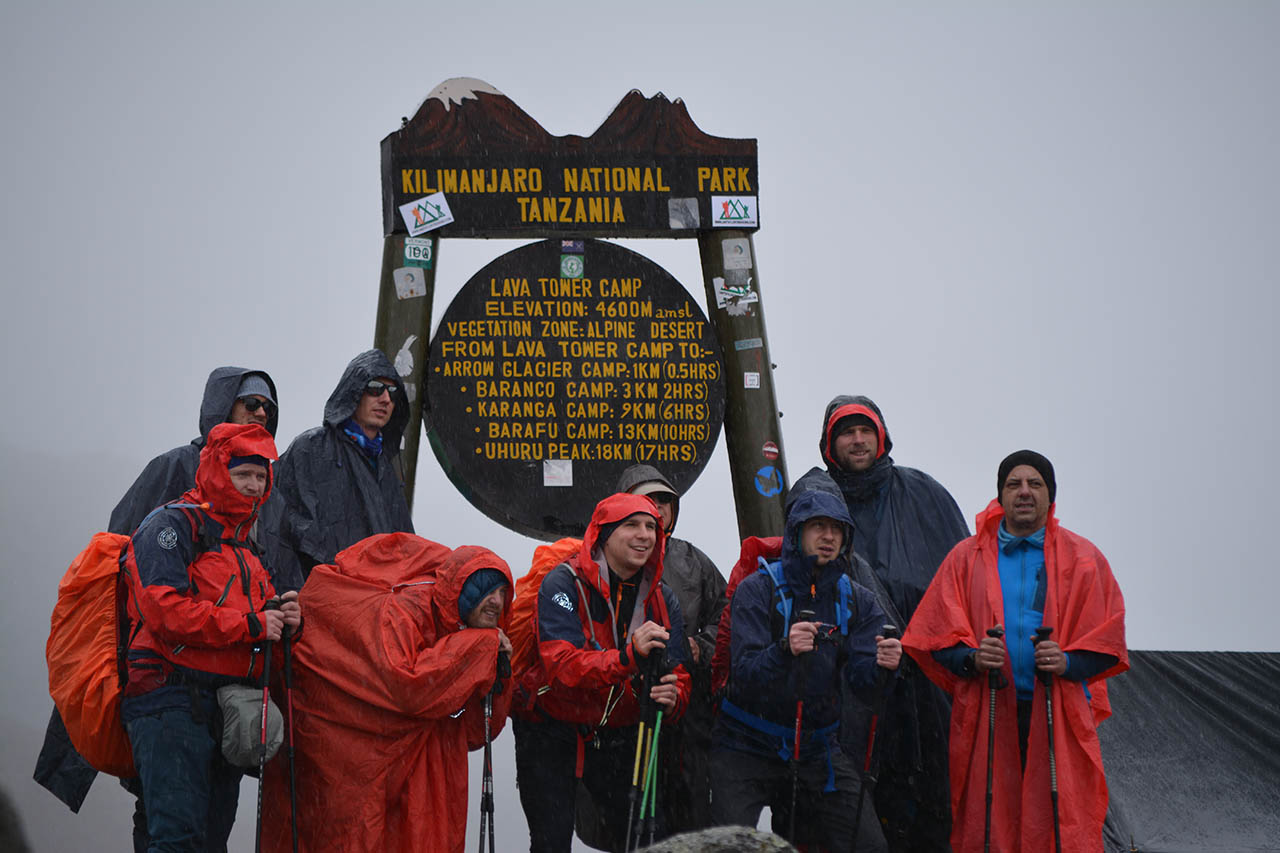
(768, 481)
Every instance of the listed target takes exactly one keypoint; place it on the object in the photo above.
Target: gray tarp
(1192, 753)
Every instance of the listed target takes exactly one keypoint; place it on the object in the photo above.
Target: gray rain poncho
(334, 494)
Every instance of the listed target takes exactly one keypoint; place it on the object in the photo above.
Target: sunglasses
(252, 404)
(375, 388)
(662, 498)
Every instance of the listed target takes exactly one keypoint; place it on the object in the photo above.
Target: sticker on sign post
(410, 282)
(768, 481)
(750, 379)
(571, 266)
(426, 214)
(557, 472)
(737, 254)
(417, 252)
(770, 450)
(734, 211)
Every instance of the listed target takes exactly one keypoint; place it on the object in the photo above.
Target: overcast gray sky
(1031, 225)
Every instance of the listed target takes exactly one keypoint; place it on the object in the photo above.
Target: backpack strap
(846, 604)
(781, 592)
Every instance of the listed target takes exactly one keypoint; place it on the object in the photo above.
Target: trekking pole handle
(993, 676)
(890, 632)
(1042, 633)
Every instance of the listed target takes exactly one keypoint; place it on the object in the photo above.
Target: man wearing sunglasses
(231, 395)
(342, 481)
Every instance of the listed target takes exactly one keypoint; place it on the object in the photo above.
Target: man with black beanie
(1021, 572)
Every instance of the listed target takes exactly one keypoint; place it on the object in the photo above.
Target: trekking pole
(273, 604)
(870, 769)
(287, 641)
(993, 684)
(1046, 678)
(648, 805)
(644, 747)
(802, 616)
(486, 784)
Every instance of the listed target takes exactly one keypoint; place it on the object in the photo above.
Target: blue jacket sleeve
(757, 660)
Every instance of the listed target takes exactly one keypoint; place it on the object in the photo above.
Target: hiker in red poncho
(389, 685)
(599, 615)
(1022, 570)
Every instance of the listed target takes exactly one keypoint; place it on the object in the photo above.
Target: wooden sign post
(564, 361)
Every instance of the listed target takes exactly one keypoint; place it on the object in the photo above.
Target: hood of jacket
(636, 475)
(458, 566)
(611, 509)
(342, 403)
(842, 407)
(426, 575)
(220, 395)
(213, 479)
(814, 503)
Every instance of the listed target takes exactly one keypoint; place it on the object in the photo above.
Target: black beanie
(1035, 460)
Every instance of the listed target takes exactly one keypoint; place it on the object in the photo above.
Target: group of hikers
(647, 695)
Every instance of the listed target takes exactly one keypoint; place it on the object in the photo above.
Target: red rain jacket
(573, 681)
(1084, 607)
(383, 667)
(201, 610)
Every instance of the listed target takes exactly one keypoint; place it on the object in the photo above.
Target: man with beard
(904, 524)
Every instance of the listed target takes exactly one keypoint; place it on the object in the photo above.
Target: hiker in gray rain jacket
(342, 481)
(231, 395)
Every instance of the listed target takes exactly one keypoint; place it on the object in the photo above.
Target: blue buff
(372, 447)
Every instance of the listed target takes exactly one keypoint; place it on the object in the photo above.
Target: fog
(1045, 226)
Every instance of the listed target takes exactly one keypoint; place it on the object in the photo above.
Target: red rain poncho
(383, 664)
(1084, 607)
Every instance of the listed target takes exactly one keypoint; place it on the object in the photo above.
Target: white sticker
(750, 380)
(737, 253)
(557, 472)
(426, 214)
(734, 211)
(410, 282)
(731, 297)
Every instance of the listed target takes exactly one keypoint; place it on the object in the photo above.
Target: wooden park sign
(472, 157)
(564, 361)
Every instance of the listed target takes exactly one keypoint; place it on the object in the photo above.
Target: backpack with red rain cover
(89, 638)
(753, 548)
(524, 608)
